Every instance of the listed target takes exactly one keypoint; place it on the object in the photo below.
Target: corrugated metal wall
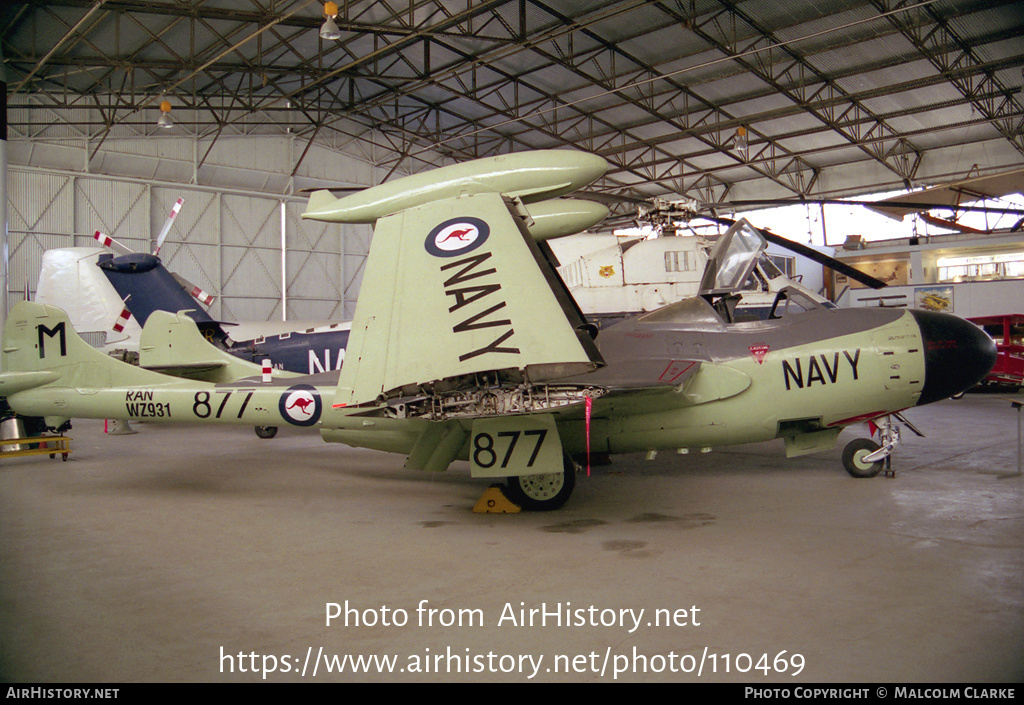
(227, 243)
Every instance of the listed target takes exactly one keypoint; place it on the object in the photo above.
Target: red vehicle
(1008, 332)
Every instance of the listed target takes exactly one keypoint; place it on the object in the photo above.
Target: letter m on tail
(57, 330)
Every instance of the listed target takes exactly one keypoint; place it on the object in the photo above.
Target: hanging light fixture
(165, 121)
(740, 143)
(330, 29)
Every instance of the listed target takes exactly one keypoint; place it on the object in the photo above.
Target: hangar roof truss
(661, 88)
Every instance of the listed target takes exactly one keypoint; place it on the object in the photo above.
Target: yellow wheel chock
(494, 501)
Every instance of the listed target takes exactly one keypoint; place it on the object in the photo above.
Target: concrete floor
(149, 557)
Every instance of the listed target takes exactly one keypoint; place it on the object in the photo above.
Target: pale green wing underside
(453, 288)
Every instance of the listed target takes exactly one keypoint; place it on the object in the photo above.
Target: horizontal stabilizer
(320, 201)
(14, 382)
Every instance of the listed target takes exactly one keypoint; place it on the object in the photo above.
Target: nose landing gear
(862, 457)
(855, 454)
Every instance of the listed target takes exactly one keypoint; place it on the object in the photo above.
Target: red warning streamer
(589, 403)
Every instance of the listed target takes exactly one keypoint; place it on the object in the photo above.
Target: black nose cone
(957, 355)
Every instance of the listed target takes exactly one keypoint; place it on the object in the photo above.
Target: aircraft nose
(958, 354)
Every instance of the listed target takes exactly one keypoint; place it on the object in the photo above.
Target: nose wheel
(854, 455)
(862, 457)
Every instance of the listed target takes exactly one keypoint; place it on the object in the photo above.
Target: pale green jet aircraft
(465, 345)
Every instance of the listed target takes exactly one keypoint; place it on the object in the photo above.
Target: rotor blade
(122, 320)
(108, 241)
(167, 225)
(193, 290)
(611, 198)
(340, 190)
(619, 221)
(823, 259)
(909, 206)
(813, 255)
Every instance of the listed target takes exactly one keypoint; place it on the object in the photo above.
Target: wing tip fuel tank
(533, 176)
(564, 216)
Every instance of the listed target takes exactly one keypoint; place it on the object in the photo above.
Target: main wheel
(542, 493)
(266, 431)
(853, 458)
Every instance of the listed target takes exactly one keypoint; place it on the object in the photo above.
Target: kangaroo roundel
(300, 405)
(457, 236)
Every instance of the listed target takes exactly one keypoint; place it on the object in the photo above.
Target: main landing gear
(543, 493)
(862, 457)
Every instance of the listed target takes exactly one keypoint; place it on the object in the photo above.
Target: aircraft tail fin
(40, 347)
(172, 344)
(146, 285)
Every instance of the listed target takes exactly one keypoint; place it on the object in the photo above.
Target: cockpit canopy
(728, 270)
(732, 260)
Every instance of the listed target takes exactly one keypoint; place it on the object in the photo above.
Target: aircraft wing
(456, 288)
(951, 195)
